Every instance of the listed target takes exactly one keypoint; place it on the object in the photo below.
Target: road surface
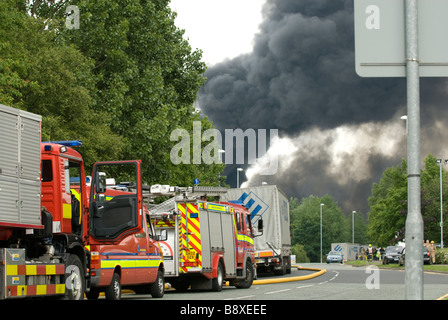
(339, 282)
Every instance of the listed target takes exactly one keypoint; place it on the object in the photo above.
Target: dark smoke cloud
(300, 76)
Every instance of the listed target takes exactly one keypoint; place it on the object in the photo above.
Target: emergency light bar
(67, 143)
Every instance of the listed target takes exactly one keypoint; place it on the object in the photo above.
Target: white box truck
(273, 247)
(349, 251)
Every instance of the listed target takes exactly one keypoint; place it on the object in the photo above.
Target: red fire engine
(123, 247)
(207, 243)
(48, 220)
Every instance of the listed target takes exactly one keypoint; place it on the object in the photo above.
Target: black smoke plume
(301, 76)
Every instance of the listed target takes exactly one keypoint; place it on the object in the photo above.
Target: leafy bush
(442, 256)
(300, 253)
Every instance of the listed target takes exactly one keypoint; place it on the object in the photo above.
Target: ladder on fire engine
(177, 194)
(181, 193)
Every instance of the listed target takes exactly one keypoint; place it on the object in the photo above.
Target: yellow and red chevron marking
(164, 223)
(190, 245)
(34, 269)
(16, 273)
(35, 290)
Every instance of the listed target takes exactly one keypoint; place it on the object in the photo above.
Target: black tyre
(158, 287)
(218, 281)
(93, 294)
(250, 275)
(181, 286)
(75, 283)
(113, 291)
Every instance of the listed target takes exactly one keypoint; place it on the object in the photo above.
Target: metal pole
(441, 214)
(353, 226)
(441, 206)
(237, 178)
(321, 205)
(414, 221)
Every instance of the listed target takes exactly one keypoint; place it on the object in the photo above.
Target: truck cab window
(248, 225)
(47, 171)
(238, 221)
(73, 175)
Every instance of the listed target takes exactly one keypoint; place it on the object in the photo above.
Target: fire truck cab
(123, 247)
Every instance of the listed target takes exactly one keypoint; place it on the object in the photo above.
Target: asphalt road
(339, 282)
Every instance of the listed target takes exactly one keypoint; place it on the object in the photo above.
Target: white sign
(380, 38)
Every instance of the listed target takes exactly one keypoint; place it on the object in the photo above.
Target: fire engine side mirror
(260, 225)
(259, 228)
(163, 235)
(100, 182)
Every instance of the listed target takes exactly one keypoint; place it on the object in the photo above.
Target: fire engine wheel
(217, 282)
(247, 282)
(181, 286)
(93, 294)
(158, 287)
(74, 278)
(113, 291)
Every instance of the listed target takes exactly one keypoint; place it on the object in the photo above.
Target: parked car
(392, 254)
(334, 256)
(426, 257)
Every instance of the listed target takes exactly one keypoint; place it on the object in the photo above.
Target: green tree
(388, 203)
(40, 75)
(15, 30)
(299, 251)
(208, 175)
(431, 199)
(148, 76)
(121, 82)
(305, 220)
(388, 206)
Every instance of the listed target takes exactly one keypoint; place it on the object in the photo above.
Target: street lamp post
(405, 118)
(441, 212)
(221, 153)
(353, 226)
(321, 205)
(440, 163)
(238, 176)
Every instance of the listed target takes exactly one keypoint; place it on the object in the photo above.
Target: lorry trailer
(273, 247)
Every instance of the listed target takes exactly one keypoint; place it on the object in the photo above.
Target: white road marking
(245, 297)
(273, 292)
(310, 285)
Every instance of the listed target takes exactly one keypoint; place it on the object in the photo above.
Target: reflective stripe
(242, 237)
(67, 210)
(217, 207)
(130, 263)
(262, 254)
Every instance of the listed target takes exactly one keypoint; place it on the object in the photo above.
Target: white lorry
(273, 247)
(349, 251)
